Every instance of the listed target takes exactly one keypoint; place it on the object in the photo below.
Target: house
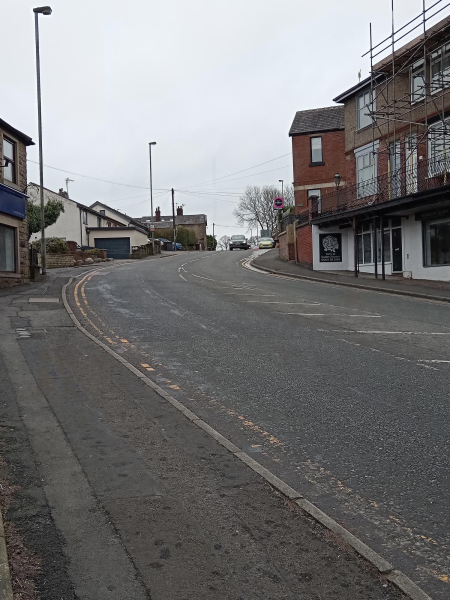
(89, 227)
(14, 253)
(392, 215)
(195, 223)
(318, 154)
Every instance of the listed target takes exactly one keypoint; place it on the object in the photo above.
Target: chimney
(158, 215)
(179, 211)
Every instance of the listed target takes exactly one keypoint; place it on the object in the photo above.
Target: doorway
(397, 250)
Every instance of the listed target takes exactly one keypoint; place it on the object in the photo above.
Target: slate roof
(166, 220)
(329, 118)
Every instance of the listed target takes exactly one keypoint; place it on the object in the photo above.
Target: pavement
(110, 492)
(395, 284)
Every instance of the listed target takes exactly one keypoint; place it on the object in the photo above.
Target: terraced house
(14, 255)
(391, 215)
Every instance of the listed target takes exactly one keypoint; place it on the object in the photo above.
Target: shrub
(53, 245)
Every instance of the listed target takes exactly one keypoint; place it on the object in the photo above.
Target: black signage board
(330, 247)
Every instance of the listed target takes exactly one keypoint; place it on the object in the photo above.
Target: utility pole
(173, 217)
(152, 226)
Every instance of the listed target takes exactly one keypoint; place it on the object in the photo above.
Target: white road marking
(200, 277)
(433, 360)
(288, 303)
(238, 294)
(182, 277)
(332, 315)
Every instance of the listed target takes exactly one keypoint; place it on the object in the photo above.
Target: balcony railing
(409, 179)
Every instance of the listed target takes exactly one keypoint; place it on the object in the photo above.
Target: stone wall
(55, 261)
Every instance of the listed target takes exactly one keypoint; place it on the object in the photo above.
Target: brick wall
(304, 245)
(333, 157)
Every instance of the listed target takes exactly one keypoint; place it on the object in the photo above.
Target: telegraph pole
(173, 217)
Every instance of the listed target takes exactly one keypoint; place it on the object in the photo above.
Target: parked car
(266, 242)
(239, 241)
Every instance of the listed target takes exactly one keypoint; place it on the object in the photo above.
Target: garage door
(117, 247)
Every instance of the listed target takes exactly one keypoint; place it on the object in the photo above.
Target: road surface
(343, 393)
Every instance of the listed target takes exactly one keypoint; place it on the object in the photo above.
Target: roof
(82, 206)
(117, 212)
(167, 220)
(15, 132)
(123, 228)
(329, 118)
(353, 90)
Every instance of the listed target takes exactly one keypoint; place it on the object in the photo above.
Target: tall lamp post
(40, 10)
(151, 196)
(282, 187)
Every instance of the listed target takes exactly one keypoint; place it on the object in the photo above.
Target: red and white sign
(152, 228)
(278, 203)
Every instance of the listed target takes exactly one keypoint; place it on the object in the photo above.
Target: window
(319, 199)
(365, 243)
(7, 248)
(102, 212)
(84, 217)
(99, 221)
(364, 105)
(366, 170)
(387, 245)
(438, 147)
(316, 150)
(437, 242)
(9, 157)
(440, 68)
(418, 81)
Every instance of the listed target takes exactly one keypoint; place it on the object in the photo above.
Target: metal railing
(408, 179)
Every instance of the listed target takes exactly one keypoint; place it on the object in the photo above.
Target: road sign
(278, 203)
(152, 228)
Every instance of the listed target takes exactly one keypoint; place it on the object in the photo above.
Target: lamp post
(282, 187)
(151, 196)
(337, 183)
(40, 10)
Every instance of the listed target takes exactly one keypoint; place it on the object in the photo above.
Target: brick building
(393, 214)
(318, 154)
(195, 223)
(14, 253)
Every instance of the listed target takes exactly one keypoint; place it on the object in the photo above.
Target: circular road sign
(278, 203)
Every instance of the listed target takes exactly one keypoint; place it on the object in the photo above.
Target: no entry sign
(278, 203)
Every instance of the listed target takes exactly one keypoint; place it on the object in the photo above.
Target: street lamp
(282, 188)
(151, 195)
(337, 183)
(41, 10)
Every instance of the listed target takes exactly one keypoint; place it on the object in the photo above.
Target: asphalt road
(343, 393)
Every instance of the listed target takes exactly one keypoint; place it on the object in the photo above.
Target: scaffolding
(423, 66)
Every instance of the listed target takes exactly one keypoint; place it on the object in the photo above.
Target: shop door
(397, 253)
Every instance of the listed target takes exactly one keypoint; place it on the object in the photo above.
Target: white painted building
(104, 228)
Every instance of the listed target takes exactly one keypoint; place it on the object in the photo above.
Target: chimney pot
(158, 215)
(179, 211)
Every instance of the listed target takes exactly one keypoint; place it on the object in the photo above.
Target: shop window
(9, 160)
(387, 245)
(7, 248)
(437, 242)
(365, 244)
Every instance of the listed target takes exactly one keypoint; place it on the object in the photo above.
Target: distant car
(239, 241)
(266, 242)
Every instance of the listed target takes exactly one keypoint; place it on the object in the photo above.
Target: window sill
(317, 164)
(9, 274)
(363, 128)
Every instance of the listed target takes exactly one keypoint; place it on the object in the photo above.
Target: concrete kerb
(6, 592)
(399, 579)
(358, 286)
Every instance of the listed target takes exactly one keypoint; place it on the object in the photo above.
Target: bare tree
(255, 208)
(224, 242)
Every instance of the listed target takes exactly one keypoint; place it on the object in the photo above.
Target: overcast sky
(215, 83)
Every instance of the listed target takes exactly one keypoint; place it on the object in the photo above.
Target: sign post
(278, 203)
